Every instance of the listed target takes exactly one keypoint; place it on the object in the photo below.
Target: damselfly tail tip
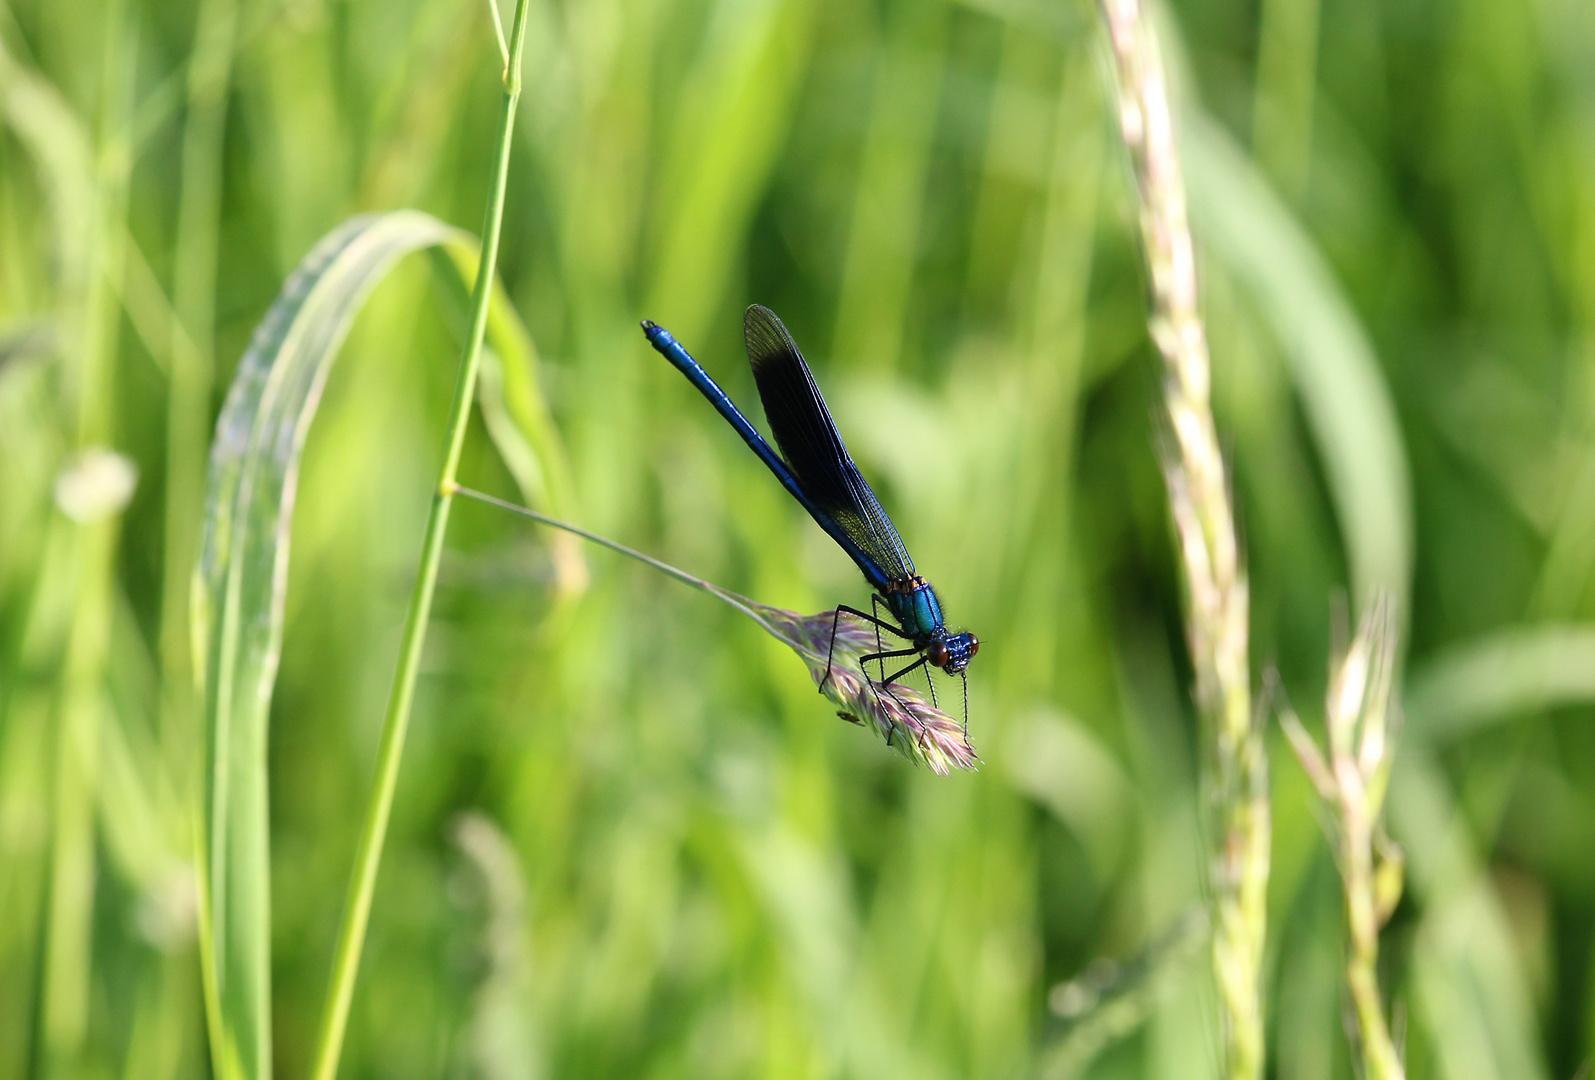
(649, 324)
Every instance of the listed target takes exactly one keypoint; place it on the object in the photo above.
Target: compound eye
(974, 646)
(937, 651)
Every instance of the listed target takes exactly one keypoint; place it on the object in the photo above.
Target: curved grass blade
(238, 597)
(1343, 391)
(1488, 680)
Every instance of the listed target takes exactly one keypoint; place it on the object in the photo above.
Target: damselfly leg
(894, 676)
(881, 658)
(836, 618)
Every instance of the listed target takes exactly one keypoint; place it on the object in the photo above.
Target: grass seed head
(898, 714)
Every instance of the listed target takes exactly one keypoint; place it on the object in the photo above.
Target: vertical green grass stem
(357, 906)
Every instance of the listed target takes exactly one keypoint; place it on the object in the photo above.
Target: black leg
(880, 623)
(882, 686)
(875, 602)
(886, 685)
(921, 662)
(836, 618)
(830, 649)
(966, 705)
(881, 658)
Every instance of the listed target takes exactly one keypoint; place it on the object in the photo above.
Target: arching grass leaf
(242, 574)
(1489, 680)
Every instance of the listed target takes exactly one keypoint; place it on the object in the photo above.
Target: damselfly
(816, 468)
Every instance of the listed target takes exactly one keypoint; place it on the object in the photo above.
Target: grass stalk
(362, 883)
(1235, 761)
(603, 541)
(701, 584)
(1352, 780)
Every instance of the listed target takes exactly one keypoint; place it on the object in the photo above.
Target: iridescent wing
(811, 447)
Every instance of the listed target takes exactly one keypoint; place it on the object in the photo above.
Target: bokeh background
(630, 840)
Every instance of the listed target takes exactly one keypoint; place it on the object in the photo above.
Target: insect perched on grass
(816, 468)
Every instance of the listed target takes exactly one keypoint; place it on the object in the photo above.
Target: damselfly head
(952, 652)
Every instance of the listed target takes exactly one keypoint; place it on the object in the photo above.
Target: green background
(673, 860)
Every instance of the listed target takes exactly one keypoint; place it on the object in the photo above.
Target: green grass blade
(1342, 389)
(240, 582)
(238, 605)
(1489, 680)
(191, 364)
(888, 200)
(374, 829)
(59, 145)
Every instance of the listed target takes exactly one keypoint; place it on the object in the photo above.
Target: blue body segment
(672, 350)
(918, 610)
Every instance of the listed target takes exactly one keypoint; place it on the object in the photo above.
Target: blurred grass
(711, 876)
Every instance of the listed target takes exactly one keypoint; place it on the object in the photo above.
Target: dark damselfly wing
(809, 443)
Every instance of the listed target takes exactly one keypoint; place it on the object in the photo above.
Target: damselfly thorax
(917, 609)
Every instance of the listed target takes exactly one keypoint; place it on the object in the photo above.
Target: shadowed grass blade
(1343, 392)
(1469, 975)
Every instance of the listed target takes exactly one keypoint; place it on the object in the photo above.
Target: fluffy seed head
(916, 729)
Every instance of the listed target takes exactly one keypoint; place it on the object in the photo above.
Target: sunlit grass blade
(238, 606)
(238, 597)
(59, 145)
(721, 149)
(1487, 680)
(190, 353)
(888, 197)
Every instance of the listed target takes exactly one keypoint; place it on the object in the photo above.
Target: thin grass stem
(362, 883)
(1351, 776)
(665, 568)
(498, 32)
(833, 653)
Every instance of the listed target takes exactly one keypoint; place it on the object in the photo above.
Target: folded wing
(811, 446)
